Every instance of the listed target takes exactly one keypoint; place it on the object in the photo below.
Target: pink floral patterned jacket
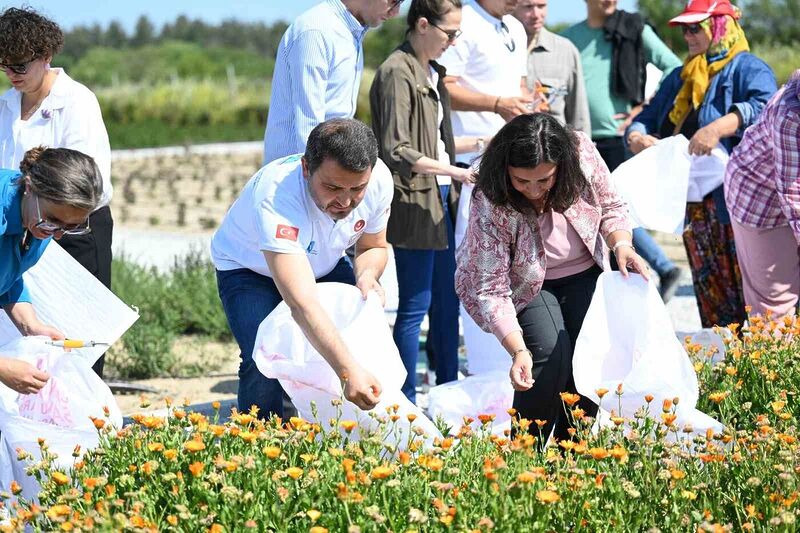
(501, 262)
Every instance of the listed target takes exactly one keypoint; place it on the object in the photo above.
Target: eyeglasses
(508, 40)
(19, 68)
(394, 3)
(694, 29)
(452, 35)
(65, 229)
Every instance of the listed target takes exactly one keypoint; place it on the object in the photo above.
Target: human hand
(704, 140)
(521, 371)
(463, 175)
(638, 142)
(35, 328)
(628, 259)
(366, 282)
(509, 107)
(21, 376)
(361, 388)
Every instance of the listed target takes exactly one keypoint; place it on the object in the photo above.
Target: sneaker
(669, 283)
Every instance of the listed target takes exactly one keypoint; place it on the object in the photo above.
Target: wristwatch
(480, 144)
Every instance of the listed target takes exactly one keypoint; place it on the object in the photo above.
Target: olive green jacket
(405, 111)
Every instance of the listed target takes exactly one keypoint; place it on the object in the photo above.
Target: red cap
(699, 10)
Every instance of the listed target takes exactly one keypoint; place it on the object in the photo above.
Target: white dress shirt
(68, 117)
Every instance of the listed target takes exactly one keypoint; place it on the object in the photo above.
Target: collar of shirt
(56, 99)
(488, 16)
(356, 28)
(544, 41)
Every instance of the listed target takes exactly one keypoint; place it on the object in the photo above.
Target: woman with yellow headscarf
(718, 93)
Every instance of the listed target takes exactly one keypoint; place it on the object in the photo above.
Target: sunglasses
(693, 29)
(452, 35)
(394, 3)
(65, 229)
(19, 68)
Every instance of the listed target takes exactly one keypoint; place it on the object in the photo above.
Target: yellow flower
(272, 452)
(294, 472)
(318, 529)
(60, 478)
(677, 474)
(172, 520)
(689, 495)
(598, 453)
(777, 406)
(381, 472)
(547, 496)
(170, 454)
(718, 397)
(313, 514)
(155, 447)
(601, 392)
(569, 398)
(194, 446)
(348, 425)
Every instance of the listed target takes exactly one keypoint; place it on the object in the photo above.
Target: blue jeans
(651, 252)
(425, 279)
(247, 298)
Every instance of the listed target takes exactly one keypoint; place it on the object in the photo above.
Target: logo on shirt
(311, 250)
(359, 225)
(289, 233)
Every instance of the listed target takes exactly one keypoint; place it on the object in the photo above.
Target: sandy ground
(165, 206)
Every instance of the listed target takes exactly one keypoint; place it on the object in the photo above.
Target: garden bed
(190, 473)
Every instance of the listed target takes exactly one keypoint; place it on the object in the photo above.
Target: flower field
(190, 473)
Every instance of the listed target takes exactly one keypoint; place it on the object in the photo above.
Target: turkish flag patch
(359, 225)
(289, 233)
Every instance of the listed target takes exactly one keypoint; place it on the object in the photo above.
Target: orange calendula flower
(485, 419)
(172, 520)
(540, 423)
(411, 417)
(15, 488)
(569, 398)
(99, 423)
(294, 472)
(648, 398)
(547, 496)
(527, 477)
(313, 514)
(404, 458)
(677, 474)
(718, 397)
(152, 422)
(196, 468)
(601, 392)
(215, 405)
(194, 446)
(669, 418)
(598, 453)
(381, 472)
(348, 425)
(155, 447)
(170, 454)
(318, 529)
(216, 528)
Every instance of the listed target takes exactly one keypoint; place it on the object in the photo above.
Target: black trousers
(93, 252)
(550, 326)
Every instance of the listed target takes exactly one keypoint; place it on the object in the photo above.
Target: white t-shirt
(484, 60)
(68, 117)
(276, 213)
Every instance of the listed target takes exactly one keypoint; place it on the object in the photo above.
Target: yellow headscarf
(697, 71)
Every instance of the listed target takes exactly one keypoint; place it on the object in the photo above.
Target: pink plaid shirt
(762, 181)
(501, 263)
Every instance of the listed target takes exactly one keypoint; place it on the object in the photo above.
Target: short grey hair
(63, 176)
(348, 141)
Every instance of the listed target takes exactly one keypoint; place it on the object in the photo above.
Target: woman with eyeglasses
(45, 107)
(51, 195)
(411, 118)
(712, 99)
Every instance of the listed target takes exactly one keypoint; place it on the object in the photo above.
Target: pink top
(502, 261)
(563, 248)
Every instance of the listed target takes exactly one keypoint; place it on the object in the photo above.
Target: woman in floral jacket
(543, 215)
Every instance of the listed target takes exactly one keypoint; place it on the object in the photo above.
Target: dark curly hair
(25, 34)
(527, 142)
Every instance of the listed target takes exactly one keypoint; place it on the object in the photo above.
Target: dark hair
(433, 10)
(25, 34)
(527, 142)
(349, 141)
(63, 176)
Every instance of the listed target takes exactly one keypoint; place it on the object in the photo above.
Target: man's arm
(295, 281)
(577, 102)
(372, 253)
(463, 99)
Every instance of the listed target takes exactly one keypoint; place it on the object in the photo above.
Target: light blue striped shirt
(317, 75)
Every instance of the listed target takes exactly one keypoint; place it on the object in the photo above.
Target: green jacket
(405, 113)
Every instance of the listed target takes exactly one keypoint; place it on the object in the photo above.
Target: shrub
(181, 301)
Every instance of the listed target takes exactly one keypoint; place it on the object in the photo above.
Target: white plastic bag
(59, 413)
(282, 352)
(483, 394)
(654, 184)
(707, 172)
(485, 354)
(627, 339)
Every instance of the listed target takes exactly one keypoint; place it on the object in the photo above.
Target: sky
(70, 13)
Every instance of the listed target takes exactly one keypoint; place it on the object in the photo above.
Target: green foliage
(783, 59)
(657, 13)
(167, 61)
(379, 43)
(772, 21)
(181, 301)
